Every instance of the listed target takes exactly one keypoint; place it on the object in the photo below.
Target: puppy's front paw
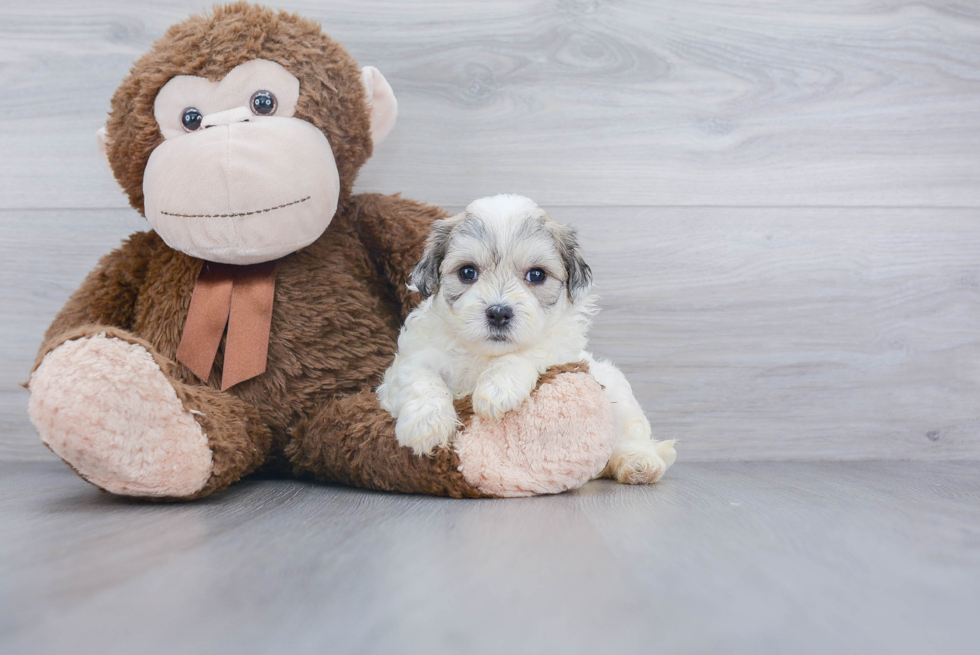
(424, 426)
(493, 397)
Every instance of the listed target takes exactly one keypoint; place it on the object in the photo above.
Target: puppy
(505, 295)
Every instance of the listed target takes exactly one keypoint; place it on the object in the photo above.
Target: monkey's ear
(381, 103)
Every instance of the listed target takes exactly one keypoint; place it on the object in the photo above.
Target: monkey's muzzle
(243, 192)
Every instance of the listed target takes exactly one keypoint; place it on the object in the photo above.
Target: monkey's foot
(558, 440)
(105, 407)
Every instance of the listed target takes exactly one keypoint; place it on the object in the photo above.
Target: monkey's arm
(394, 230)
(107, 297)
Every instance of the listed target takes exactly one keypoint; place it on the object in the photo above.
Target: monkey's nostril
(499, 315)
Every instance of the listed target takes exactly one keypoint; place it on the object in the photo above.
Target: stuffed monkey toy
(247, 331)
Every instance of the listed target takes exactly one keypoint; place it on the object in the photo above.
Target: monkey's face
(239, 133)
(238, 179)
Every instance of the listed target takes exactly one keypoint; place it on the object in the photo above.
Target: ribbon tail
(249, 323)
(206, 319)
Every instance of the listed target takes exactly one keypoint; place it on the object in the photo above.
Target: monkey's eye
(468, 274)
(535, 276)
(263, 103)
(191, 120)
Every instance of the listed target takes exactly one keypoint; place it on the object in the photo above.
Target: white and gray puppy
(505, 295)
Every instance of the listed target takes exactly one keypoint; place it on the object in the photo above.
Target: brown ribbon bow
(237, 296)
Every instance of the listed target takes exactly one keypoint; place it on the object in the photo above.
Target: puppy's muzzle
(499, 316)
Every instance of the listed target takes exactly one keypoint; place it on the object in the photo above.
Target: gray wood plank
(707, 102)
(794, 334)
(738, 558)
(747, 333)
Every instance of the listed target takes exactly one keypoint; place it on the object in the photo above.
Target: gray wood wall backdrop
(780, 198)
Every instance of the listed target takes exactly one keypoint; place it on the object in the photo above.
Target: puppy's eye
(535, 276)
(468, 274)
(191, 119)
(263, 103)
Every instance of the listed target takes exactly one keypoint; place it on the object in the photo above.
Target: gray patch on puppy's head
(474, 228)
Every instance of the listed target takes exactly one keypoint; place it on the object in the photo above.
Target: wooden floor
(781, 203)
(854, 557)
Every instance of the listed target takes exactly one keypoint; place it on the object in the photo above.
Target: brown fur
(339, 302)
(334, 330)
(340, 443)
(329, 84)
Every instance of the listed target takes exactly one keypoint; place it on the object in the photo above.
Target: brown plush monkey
(247, 331)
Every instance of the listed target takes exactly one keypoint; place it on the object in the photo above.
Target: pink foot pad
(559, 440)
(105, 407)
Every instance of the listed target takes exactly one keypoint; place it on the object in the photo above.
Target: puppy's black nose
(499, 315)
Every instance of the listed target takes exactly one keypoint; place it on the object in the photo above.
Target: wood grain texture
(691, 143)
(746, 333)
(822, 333)
(694, 102)
(736, 558)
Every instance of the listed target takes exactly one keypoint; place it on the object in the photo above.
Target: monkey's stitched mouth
(257, 211)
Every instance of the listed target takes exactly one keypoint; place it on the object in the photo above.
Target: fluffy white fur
(525, 265)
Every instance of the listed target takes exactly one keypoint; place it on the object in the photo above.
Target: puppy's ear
(577, 272)
(425, 276)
